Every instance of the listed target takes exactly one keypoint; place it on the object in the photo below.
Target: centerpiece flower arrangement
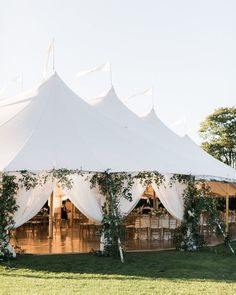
(158, 212)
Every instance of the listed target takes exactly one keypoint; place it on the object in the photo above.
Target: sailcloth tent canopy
(198, 162)
(52, 127)
(193, 153)
(57, 129)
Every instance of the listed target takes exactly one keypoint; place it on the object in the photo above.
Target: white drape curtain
(88, 201)
(127, 206)
(30, 202)
(171, 197)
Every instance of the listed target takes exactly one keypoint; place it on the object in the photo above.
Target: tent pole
(227, 210)
(50, 236)
(118, 238)
(155, 202)
(72, 215)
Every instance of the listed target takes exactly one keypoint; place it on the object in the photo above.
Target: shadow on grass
(216, 264)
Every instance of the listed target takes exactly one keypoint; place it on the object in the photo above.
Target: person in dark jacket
(64, 213)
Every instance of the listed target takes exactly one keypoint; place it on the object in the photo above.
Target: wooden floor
(79, 239)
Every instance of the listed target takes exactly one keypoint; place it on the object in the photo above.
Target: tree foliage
(218, 132)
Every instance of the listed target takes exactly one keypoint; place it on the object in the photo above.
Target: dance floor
(77, 239)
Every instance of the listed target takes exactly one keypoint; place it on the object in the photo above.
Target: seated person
(145, 205)
(64, 213)
(146, 209)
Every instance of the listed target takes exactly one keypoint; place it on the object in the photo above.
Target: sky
(185, 50)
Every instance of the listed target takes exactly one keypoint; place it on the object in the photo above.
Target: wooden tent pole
(72, 215)
(227, 210)
(155, 201)
(50, 236)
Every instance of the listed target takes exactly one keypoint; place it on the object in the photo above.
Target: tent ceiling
(222, 188)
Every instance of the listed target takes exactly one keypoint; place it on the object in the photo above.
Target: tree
(218, 132)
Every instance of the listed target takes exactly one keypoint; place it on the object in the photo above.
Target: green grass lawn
(212, 271)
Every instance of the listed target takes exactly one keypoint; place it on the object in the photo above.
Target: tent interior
(148, 226)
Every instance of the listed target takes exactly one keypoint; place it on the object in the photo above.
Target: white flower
(188, 233)
(190, 213)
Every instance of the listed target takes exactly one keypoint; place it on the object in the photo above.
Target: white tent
(198, 162)
(56, 129)
(51, 127)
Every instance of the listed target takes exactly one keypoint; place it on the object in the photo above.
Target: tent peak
(109, 94)
(52, 80)
(29, 94)
(110, 91)
(150, 113)
(53, 75)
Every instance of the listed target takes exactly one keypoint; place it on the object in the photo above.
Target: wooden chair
(155, 228)
(165, 221)
(231, 218)
(129, 222)
(203, 225)
(173, 225)
(142, 227)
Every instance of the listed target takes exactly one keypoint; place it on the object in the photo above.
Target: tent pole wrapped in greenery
(116, 186)
(197, 199)
(8, 190)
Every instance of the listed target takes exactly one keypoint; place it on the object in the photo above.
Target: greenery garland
(7, 209)
(30, 180)
(147, 178)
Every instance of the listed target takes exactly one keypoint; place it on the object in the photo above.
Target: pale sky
(185, 49)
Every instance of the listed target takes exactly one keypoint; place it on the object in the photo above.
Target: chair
(129, 222)
(165, 221)
(173, 225)
(231, 218)
(155, 228)
(204, 228)
(57, 219)
(142, 226)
